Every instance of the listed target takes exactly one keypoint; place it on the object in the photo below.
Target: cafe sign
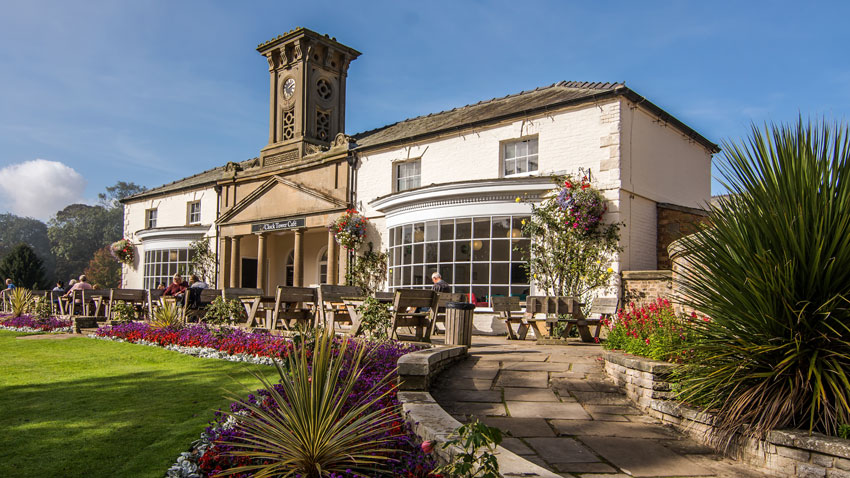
(282, 225)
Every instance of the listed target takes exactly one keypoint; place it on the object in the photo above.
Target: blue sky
(100, 91)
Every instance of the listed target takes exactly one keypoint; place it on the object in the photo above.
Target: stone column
(224, 262)
(332, 256)
(235, 261)
(298, 266)
(261, 261)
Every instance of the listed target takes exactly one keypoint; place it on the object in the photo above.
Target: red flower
(427, 446)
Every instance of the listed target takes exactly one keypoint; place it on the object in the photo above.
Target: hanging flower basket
(349, 229)
(582, 204)
(123, 251)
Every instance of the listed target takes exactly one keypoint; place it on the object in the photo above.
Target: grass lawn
(84, 407)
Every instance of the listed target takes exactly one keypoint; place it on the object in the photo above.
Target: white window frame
(190, 213)
(412, 181)
(150, 218)
(525, 159)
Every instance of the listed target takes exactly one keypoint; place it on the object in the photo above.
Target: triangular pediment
(280, 197)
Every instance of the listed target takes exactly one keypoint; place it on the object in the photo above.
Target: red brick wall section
(675, 222)
(642, 287)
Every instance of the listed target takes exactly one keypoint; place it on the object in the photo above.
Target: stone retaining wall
(646, 286)
(783, 454)
(417, 369)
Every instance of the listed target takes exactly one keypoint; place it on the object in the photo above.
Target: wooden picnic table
(352, 305)
(256, 303)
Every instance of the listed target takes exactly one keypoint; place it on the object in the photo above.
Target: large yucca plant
(20, 300)
(317, 428)
(773, 273)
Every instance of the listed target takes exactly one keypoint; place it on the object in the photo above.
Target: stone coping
(417, 369)
(430, 422)
(656, 367)
(648, 275)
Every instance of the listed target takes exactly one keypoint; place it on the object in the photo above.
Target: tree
(15, 230)
(203, 259)
(76, 233)
(571, 249)
(103, 271)
(24, 267)
(114, 194)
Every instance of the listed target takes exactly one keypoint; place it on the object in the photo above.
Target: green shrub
(123, 311)
(376, 318)
(222, 311)
(41, 308)
(773, 273)
(319, 426)
(478, 442)
(844, 431)
(653, 331)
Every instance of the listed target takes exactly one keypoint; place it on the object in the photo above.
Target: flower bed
(209, 457)
(28, 323)
(653, 331)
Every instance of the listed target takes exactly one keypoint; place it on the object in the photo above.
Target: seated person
(82, 284)
(195, 283)
(177, 287)
(60, 287)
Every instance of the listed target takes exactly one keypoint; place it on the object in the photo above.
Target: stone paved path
(557, 408)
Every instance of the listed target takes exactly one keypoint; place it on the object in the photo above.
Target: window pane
(397, 234)
(501, 250)
(480, 273)
(521, 166)
(500, 273)
(464, 228)
(462, 273)
(447, 229)
(510, 167)
(406, 254)
(532, 146)
(520, 291)
(431, 252)
(418, 253)
(405, 275)
(391, 238)
(510, 150)
(430, 269)
(407, 234)
(518, 273)
(419, 232)
(418, 275)
(431, 231)
(446, 251)
(481, 227)
(532, 163)
(481, 250)
(501, 227)
(482, 295)
(462, 250)
(500, 291)
(520, 250)
(446, 272)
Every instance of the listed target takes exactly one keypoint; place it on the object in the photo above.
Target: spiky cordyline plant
(20, 300)
(773, 273)
(317, 427)
(166, 315)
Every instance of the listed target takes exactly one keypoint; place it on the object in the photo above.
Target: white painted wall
(171, 212)
(661, 163)
(568, 140)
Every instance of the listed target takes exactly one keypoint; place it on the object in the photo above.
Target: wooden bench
(93, 300)
(294, 304)
(510, 310)
(194, 308)
(405, 306)
(438, 313)
(332, 309)
(602, 309)
(238, 293)
(554, 309)
(138, 298)
(153, 298)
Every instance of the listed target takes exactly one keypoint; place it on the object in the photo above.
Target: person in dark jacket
(439, 284)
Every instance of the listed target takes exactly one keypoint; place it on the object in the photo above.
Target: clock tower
(306, 94)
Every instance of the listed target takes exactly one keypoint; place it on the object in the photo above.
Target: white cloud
(39, 188)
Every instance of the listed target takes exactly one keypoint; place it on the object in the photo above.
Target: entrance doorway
(249, 273)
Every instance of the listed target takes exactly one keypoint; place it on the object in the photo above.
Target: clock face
(288, 88)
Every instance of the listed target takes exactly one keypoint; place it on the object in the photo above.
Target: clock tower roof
(298, 32)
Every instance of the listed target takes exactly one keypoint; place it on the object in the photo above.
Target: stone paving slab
(530, 394)
(476, 409)
(584, 468)
(562, 450)
(480, 373)
(521, 427)
(564, 411)
(537, 366)
(461, 395)
(517, 446)
(610, 429)
(643, 457)
(472, 384)
(516, 378)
